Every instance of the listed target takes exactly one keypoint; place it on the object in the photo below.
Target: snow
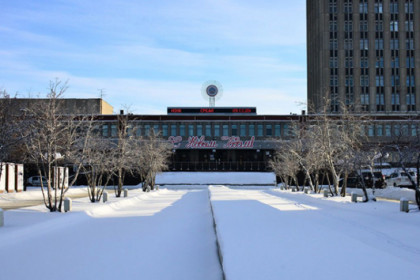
(159, 235)
(263, 233)
(226, 178)
(272, 234)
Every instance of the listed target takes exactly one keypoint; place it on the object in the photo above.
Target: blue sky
(148, 55)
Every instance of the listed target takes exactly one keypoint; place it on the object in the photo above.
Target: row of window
(388, 130)
(379, 81)
(208, 130)
(394, 44)
(378, 7)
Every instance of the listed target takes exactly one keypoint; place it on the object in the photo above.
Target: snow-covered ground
(166, 234)
(226, 178)
(263, 232)
(272, 234)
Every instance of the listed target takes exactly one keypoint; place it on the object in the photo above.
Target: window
(199, 130)
(379, 44)
(409, 62)
(269, 130)
(225, 130)
(333, 44)
(242, 130)
(379, 26)
(260, 130)
(138, 130)
(156, 128)
(409, 9)
(409, 26)
(379, 62)
(190, 130)
(286, 129)
(251, 130)
(333, 62)
(413, 130)
(333, 26)
(114, 130)
(147, 130)
(379, 81)
(364, 26)
(393, 8)
(333, 81)
(379, 130)
(208, 130)
(216, 130)
(410, 81)
(395, 62)
(394, 26)
(348, 26)
(364, 99)
(396, 129)
(277, 130)
(378, 8)
(371, 131)
(364, 44)
(105, 130)
(364, 81)
(409, 44)
(234, 130)
(165, 130)
(182, 130)
(363, 8)
(387, 130)
(173, 130)
(348, 8)
(364, 62)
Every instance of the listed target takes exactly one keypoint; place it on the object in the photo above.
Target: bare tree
(51, 138)
(123, 151)
(152, 159)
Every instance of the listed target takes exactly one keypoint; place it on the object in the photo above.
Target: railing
(219, 166)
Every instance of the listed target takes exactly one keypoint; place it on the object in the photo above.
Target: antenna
(101, 92)
(212, 91)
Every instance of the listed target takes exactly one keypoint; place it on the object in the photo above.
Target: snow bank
(208, 178)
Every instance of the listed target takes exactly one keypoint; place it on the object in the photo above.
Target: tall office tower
(364, 54)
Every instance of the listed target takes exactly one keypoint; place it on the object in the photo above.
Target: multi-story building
(364, 54)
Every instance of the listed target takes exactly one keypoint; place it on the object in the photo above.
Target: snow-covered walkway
(271, 234)
(160, 235)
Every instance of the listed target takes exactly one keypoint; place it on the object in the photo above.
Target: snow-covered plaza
(263, 233)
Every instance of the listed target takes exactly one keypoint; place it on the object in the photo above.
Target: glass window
(286, 130)
(405, 129)
(173, 130)
(363, 8)
(378, 8)
(243, 130)
(413, 130)
(277, 130)
(260, 130)
(208, 130)
(251, 130)
(370, 130)
(199, 130)
(114, 130)
(225, 130)
(269, 130)
(138, 130)
(216, 130)
(156, 129)
(379, 129)
(165, 130)
(147, 129)
(105, 130)
(387, 130)
(234, 130)
(396, 129)
(182, 130)
(190, 130)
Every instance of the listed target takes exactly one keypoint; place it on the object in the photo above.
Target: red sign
(196, 142)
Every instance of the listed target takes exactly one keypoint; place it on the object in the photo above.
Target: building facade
(364, 54)
(204, 140)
